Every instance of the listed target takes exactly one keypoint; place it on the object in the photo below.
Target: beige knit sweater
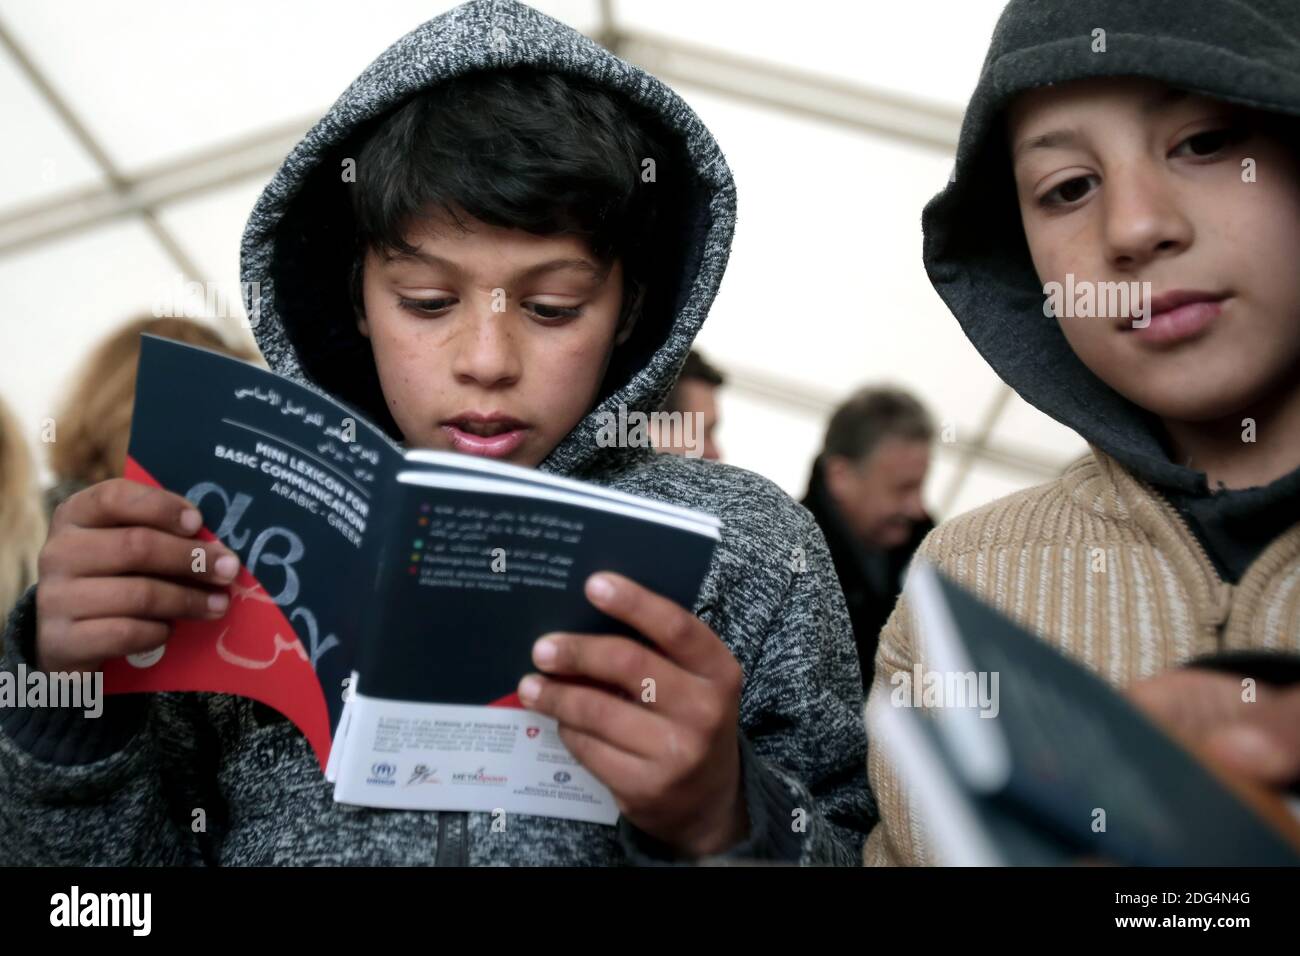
(1099, 565)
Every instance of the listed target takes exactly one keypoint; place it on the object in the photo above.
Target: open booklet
(1032, 760)
(403, 587)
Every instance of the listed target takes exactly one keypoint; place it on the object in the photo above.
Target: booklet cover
(405, 588)
(1031, 759)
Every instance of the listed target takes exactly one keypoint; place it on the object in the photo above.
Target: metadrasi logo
(480, 778)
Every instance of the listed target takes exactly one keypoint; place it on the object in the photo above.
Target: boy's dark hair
(871, 415)
(519, 149)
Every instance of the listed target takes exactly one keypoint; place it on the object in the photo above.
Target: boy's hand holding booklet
(389, 600)
(1033, 760)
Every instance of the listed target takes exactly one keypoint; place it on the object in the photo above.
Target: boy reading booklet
(1119, 242)
(408, 698)
(499, 238)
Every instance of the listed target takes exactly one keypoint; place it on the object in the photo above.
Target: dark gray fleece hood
(299, 241)
(1243, 51)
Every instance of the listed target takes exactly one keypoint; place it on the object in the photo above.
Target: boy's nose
(485, 351)
(1143, 219)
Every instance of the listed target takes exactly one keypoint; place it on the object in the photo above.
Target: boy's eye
(426, 306)
(1070, 191)
(552, 313)
(1208, 143)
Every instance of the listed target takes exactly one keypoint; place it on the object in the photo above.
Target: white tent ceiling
(140, 134)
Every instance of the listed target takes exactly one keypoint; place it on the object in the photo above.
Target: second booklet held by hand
(388, 600)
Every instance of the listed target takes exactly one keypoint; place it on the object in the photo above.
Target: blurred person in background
(22, 525)
(696, 392)
(865, 492)
(93, 425)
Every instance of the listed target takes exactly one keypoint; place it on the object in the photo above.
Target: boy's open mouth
(489, 434)
(485, 429)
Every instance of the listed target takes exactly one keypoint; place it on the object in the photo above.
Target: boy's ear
(631, 312)
(355, 291)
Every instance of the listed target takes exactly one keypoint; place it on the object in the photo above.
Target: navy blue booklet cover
(1053, 766)
(416, 576)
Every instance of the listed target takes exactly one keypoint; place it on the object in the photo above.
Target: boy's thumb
(1264, 750)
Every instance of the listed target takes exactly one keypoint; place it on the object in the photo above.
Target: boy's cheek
(1212, 378)
(414, 407)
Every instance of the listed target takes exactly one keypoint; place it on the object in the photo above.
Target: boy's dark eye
(1072, 190)
(426, 306)
(551, 313)
(1208, 143)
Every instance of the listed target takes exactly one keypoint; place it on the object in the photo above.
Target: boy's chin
(1192, 402)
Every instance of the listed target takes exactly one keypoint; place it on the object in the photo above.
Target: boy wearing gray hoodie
(498, 240)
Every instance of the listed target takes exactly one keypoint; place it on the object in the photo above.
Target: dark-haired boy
(500, 234)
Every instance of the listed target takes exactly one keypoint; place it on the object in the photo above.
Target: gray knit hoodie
(124, 789)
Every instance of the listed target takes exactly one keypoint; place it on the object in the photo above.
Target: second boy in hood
(499, 237)
(1113, 146)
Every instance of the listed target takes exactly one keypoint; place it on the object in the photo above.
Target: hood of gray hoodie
(1242, 51)
(298, 243)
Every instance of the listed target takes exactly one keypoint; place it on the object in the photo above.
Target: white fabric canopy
(825, 290)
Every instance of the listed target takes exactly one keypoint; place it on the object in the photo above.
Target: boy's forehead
(1030, 113)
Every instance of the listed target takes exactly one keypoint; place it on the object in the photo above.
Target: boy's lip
(1178, 316)
(507, 433)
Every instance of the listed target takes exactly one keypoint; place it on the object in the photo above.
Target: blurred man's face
(880, 495)
(693, 398)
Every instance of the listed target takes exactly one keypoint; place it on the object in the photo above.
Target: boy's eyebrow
(552, 265)
(403, 255)
(556, 265)
(1056, 138)
(1068, 137)
(1164, 97)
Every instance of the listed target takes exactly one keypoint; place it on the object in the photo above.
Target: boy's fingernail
(544, 652)
(217, 603)
(227, 565)
(191, 520)
(529, 688)
(600, 588)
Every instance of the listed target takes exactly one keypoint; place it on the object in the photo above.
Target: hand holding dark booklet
(410, 584)
(1030, 759)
